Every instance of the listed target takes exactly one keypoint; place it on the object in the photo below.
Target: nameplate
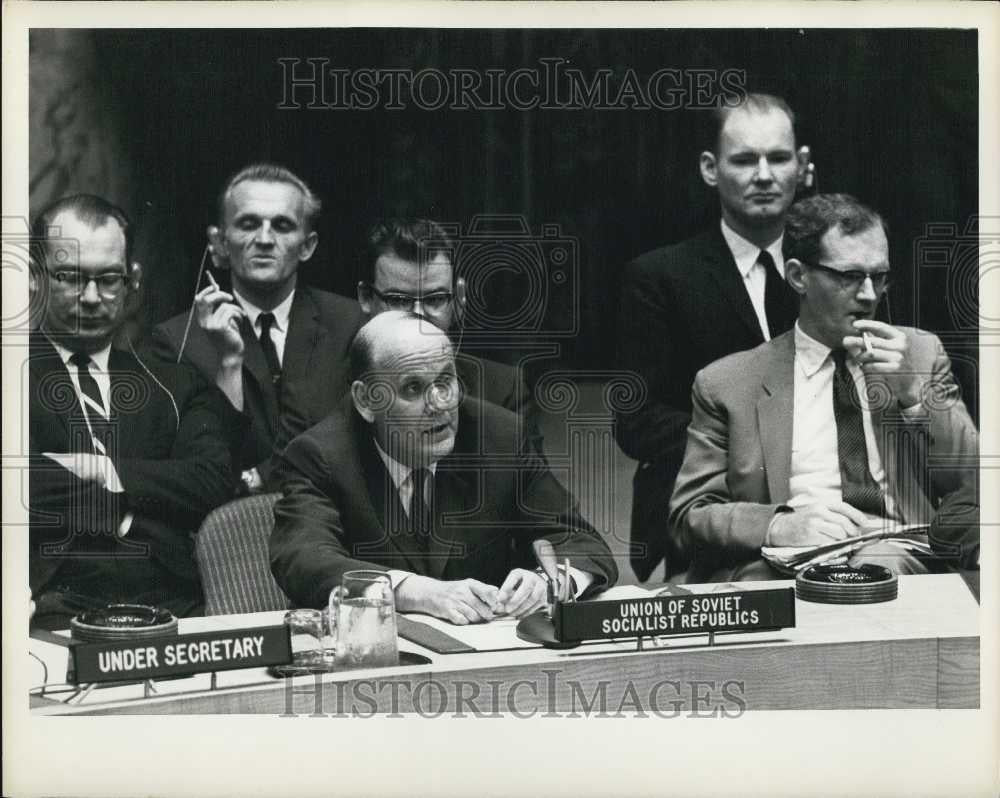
(181, 655)
(657, 616)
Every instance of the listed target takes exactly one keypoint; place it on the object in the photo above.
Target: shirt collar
(399, 472)
(100, 358)
(745, 252)
(810, 354)
(281, 312)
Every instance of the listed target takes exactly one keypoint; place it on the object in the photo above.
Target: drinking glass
(365, 613)
(305, 628)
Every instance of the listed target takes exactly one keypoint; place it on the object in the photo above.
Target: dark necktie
(420, 507)
(780, 305)
(93, 402)
(270, 352)
(858, 487)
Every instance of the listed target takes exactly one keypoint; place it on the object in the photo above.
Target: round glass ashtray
(846, 584)
(847, 574)
(122, 622)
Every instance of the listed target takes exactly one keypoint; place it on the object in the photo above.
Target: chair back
(232, 554)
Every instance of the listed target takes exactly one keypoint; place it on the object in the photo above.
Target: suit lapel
(902, 446)
(386, 509)
(459, 497)
(453, 493)
(304, 333)
(55, 395)
(775, 411)
(121, 369)
(730, 284)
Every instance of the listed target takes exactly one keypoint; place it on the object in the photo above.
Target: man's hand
(888, 360)
(461, 602)
(815, 525)
(89, 468)
(219, 316)
(521, 593)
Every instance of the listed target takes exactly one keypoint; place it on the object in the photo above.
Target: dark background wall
(156, 120)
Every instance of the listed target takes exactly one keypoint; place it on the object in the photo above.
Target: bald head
(405, 387)
(392, 338)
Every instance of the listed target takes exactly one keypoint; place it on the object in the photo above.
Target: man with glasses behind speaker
(830, 429)
(410, 267)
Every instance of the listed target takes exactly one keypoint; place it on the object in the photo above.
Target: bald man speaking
(442, 492)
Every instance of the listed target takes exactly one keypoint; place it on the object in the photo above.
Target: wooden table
(919, 651)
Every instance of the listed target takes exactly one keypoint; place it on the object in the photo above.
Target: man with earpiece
(126, 456)
(276, 348)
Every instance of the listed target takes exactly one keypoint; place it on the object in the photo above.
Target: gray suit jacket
(735, 473)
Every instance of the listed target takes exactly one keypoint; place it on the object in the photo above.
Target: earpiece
(170, 396)
(217, 247)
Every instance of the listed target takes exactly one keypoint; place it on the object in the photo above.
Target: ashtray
(122, 622)
(846, 584)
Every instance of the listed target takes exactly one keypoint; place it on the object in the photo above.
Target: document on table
(792, 559)
(500, 634)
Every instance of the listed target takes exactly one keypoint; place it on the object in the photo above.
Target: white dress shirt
(815, 468)
(402, 478)
(753, 273)
(99, 371)
(279, 328)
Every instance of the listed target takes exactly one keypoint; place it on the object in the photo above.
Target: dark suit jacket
(494, 495)
(496, 382)
(736, 470)
(174, 470)
(315, 370)
(682, 307)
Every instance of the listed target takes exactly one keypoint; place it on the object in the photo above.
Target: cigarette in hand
(215, 285)
(868, 342)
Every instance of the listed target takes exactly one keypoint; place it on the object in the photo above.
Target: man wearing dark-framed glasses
(126, 456)
(841, 426)
(409, 267)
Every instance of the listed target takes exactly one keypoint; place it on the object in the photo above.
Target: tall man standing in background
(277, 349)
(686, 305)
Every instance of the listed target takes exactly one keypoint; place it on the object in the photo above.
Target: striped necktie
(93, 402)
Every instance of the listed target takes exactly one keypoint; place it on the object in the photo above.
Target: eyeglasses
(851, 281)
(435, 302)
(72, 281)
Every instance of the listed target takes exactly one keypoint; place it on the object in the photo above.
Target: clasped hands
(466, 601)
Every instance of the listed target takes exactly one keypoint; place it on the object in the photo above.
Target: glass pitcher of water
(365, 613)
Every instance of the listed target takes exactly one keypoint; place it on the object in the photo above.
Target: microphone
(546, 556)
(538, 627)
